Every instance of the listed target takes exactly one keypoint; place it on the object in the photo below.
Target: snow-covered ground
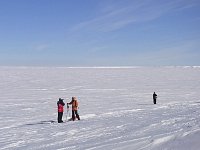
(116, 108)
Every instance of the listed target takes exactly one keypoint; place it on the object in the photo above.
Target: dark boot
(60, 114)
(77, 115)
(154, 101)
(73, 115)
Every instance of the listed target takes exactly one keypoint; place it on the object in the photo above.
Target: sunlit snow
(116, 108)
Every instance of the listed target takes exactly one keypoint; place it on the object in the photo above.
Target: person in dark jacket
(154, 97)
(60, 105)
(74, 104)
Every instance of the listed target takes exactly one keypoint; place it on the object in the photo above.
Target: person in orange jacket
(60, 105)
(74, 104)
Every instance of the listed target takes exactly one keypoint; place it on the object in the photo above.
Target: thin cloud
(118, 16)
(42, 47)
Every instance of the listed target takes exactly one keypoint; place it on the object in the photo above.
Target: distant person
(74, 104)
(60, 105)
(154, 97)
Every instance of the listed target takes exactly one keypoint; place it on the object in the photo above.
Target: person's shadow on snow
(41, 122)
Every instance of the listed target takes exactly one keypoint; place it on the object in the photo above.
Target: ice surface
(116, 108)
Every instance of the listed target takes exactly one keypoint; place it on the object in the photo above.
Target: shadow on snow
(41, 122)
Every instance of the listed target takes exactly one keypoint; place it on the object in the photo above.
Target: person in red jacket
(60, 105)
(74, 104)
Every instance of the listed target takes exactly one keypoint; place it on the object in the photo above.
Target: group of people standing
(61, 104)
(74, 104)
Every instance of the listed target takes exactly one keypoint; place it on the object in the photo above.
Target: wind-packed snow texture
(116, 108)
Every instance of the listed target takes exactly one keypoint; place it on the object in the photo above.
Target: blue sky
(100, 32)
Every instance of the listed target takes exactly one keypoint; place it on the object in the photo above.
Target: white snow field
(116, 108)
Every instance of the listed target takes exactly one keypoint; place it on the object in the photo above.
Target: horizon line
(103, 67)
